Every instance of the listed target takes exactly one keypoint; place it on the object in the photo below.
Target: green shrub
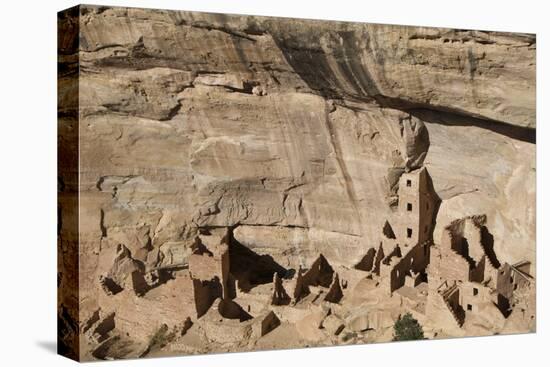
(407, 328)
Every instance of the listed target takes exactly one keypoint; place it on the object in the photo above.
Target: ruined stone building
(466, 277)
(232, 299)
(452, 279)
(209, 270)
(512, 278)
(404, 249)
(235, 295)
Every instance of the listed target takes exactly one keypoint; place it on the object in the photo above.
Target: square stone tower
(417, 207)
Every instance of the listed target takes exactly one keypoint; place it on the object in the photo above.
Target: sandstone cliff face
(295, 131)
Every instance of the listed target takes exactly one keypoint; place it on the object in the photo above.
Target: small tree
(407, 328)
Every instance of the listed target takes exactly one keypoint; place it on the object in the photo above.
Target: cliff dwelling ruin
(292, 184)
(234, 297)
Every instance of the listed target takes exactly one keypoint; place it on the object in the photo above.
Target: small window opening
(511, 280)
(409, 232)
(469, 307)
(475, 291)
(409, 207)
(409, 183)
